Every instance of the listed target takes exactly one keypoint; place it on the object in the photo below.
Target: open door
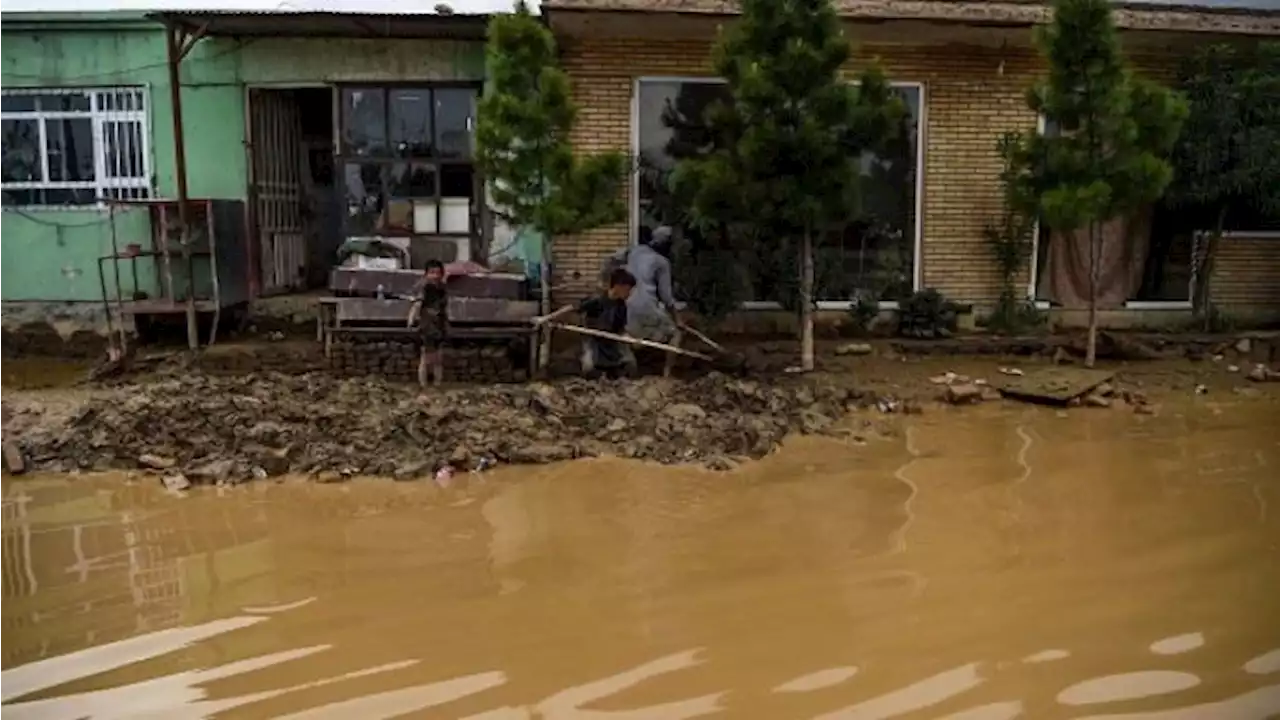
(277, 194)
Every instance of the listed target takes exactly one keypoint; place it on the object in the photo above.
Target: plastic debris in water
(444, 475)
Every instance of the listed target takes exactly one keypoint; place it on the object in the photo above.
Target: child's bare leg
(422, 367)
(437, 367)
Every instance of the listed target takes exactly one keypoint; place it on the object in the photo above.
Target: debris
(963, 394)
(1202, 390)
(1055, 386)
(990, 393)
(410, 470)
(444, 475)
(14, 461)
(854, 349)
(1233, 368)
(1016, 372)
(329, 476)
(156, 462)
(176, 482)
(1144, 410)
(1096, 400)
(1261, 373)
(1244, 346)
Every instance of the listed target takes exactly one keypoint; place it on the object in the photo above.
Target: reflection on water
(1012, 563)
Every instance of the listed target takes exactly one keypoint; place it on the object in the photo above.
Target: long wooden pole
(174, 54)
(629, 340)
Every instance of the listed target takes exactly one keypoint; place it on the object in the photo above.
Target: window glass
(21, 150)
(874, 255)
(363, 185)
(455, 112)
(70, 149)
(364, 121)
(76, 147)
(411, 134)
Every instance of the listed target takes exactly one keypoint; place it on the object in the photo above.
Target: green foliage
(1229, 152)
(1107, 157)
(1115, 131)
(522, 137)
(927, 314)
(789, 140)
(1011, 242)
(863, 312)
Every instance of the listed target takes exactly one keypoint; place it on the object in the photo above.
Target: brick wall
(972, 95)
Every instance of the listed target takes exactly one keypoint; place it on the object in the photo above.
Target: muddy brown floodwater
(981, 564)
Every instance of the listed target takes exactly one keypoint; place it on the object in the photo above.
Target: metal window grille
(74, 146)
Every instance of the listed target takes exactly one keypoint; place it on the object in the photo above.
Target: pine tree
(522, 137)
(1229, 154)
(791, 135)
(1116, 132)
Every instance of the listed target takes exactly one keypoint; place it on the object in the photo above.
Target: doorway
(294, 213)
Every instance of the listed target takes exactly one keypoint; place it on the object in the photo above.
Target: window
(74, 146)
(407, 156)
(875, 256)
(1147, 258)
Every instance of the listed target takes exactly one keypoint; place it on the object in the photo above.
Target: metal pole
(180, 169)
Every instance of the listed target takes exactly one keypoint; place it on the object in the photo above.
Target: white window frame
(922, 124)
(100, 117)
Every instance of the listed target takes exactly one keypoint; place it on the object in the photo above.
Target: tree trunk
(1201, 303)
(544, 305)
(1091, 349)
(806, 302)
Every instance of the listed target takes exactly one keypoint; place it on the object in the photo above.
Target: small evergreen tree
(522, 137)
(1116, 131)
(791, 135)
(1229, 154)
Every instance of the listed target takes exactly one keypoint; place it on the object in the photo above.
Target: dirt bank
(235, 428)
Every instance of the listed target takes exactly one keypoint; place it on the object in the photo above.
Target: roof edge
(1128, 15)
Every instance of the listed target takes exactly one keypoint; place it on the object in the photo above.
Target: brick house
(963, 68)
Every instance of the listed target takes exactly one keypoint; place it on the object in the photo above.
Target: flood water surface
(982, 565)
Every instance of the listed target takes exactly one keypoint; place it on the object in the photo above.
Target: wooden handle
(630, 340)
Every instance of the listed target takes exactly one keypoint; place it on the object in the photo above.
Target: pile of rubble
(228, 429)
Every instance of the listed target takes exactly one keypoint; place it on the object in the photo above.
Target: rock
(1244, 346)
(1248, 392)
(176, 482)
(461, 456)
(990, 393)
(156, 462)
(1261, 373)
(214, 471)
(1233, 368)
(813, 422)
(963, 394)
(1096, 400)
(719, 463)
(1105, 390)
(854, 349)
(329, 476)
(685, 412)
(411, 470)
(14, 461)
(1144, 410)
(541, 454)
(273, 461)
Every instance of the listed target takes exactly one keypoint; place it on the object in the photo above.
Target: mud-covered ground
(235, 428)
(238, 426)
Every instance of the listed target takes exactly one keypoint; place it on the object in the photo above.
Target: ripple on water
(1127, 686)
(1178, 644)
(817, 680)
(1264, 664)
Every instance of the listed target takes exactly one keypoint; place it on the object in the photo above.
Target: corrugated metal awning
(326, 24)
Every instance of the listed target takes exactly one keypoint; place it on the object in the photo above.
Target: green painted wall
(51, 255)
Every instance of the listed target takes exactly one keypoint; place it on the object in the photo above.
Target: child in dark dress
(431, 307)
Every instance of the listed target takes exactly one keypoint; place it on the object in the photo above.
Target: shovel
(725, 360)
